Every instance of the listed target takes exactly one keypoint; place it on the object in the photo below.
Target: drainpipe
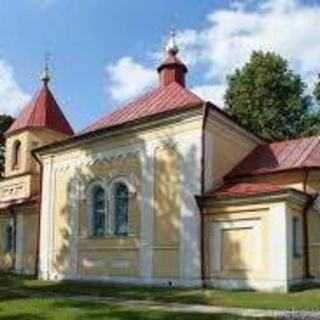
(202, 233)
(39, 216)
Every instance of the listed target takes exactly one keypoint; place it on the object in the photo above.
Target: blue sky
(105, 52)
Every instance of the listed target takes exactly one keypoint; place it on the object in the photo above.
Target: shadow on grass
(94, 311)
(23, 316)
(18, 287)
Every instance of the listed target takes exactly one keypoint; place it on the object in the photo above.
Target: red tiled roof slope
(42, 112)
(280, 156)
(241, 189)
(160, 100)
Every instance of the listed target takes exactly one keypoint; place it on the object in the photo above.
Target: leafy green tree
(268, 98)
(5, 123)
(316, 91)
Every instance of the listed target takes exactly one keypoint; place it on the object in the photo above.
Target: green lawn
(58, 309)
(16, 301)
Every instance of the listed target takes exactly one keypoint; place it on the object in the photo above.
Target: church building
(168, 190)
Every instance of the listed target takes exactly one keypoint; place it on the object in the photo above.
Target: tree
(316, 91)
(5, 123)
(268, 98)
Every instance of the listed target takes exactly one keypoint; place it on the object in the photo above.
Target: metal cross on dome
(172, 47)
(45, 77)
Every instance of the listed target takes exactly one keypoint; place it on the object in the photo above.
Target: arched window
(98, 211)
(8, 239)
(16, 154)
(121, 206)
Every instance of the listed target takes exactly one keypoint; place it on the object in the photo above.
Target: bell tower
(41, 122)
(172, 69)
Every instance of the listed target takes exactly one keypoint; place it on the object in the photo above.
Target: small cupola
(172, 69)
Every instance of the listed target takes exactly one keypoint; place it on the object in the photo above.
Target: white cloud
(12, 97)
(212, 93)
(288, 27)
(128, 78)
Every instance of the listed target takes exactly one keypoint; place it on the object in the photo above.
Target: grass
(59, 309)
(16, 301)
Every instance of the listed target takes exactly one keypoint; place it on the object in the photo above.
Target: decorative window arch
(97, 209)
(16, 154)
(8, 238)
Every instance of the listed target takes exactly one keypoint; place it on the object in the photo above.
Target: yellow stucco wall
(119, 256)
(20, 183)
(293, 179)
(110, 255)
(166, 212)
(29, 139)
(239, 260)
(314, 243)
(30, 238)
(226, 146)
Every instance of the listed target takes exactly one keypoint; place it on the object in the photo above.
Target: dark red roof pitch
(42, 112)
(160, 100)
(242, 189)
(280, 156)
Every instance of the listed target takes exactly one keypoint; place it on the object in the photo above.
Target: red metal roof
(280, 156)
(42, 112)
(157, 101)
(242, 189)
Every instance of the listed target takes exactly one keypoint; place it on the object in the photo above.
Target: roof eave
(207, 200)
(259, 174)
(31, 128)
(127, 125)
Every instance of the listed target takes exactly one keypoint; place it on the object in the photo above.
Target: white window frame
(90, 208)
(131, 189)
(296, 237)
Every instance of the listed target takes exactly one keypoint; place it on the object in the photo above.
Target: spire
(45, 76)
(42, 112)
(171, 68)
(171, 46)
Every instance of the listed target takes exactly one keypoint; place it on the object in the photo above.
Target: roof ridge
(33, 103)
(316, 143)
(155, 101)
(308, 150)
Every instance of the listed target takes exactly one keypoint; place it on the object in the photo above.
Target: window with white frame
(98, 210)
(9, 238)
(296, 237)
(108, 207)
(120, 208)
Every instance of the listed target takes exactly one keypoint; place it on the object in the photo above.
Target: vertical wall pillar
(190, 264)
(73, 221)
(45, 216)
(147, 220)
(278, 248)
